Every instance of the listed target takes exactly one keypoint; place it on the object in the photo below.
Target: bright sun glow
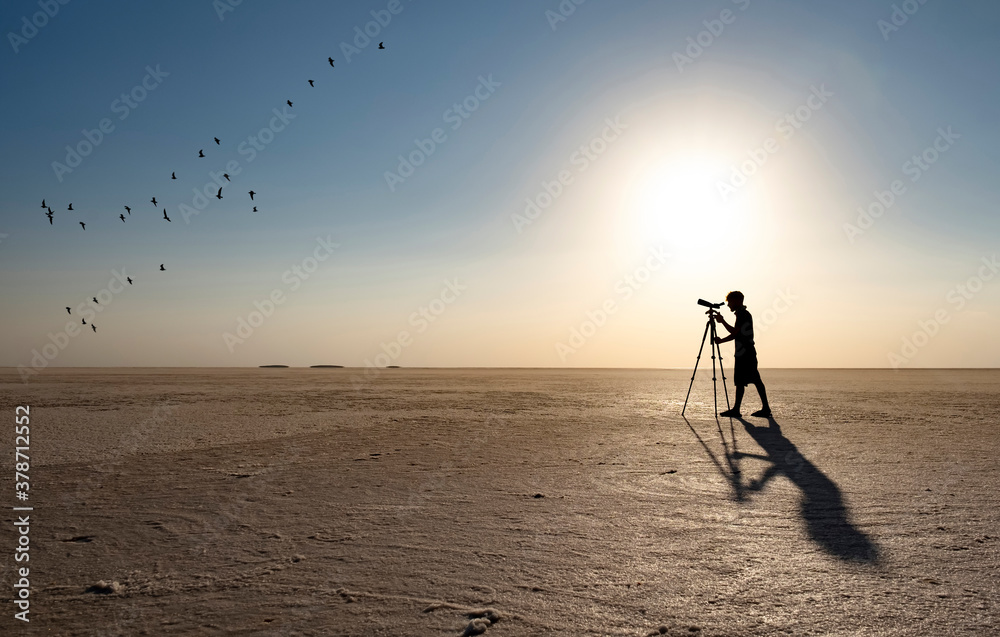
(678, 204)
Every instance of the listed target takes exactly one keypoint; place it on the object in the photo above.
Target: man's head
(734, 300)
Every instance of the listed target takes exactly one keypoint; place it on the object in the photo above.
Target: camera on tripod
(713, 308)
(716, 349)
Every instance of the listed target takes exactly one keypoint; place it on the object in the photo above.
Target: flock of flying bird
(173, 175)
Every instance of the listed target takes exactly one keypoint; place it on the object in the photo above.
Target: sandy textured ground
(437, 502)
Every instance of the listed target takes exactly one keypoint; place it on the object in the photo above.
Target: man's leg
(735, 411)
(765, 408)
(763, 394)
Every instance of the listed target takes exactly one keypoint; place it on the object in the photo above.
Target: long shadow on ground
(823, 510)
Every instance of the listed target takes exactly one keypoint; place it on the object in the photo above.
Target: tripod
(710, 329)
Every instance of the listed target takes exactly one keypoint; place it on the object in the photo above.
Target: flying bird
(94, 299)
(173, 175)
(165, 214)
(122, 217)
(43, 204)
(49, 215)
(129, 279)
(219, 194)
(49, 209)
(68, 311)
(216, 140)
(381, 45)
(162, 269)
(289, 102)
(226, 175)
(128, 210)
(252, 193)
(70, 207)
(330, 60)
(153, 200)
(201, 153)
(93, 327)
(84, 321)
(255, 208)
(83, 225)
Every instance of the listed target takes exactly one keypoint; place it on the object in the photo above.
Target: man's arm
(720, 319)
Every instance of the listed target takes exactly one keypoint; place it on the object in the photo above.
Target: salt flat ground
(291, 502)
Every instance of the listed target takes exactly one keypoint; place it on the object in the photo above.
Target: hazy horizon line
(328, 367)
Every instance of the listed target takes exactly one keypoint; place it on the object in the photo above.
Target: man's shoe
(731, 413)
(763, 413)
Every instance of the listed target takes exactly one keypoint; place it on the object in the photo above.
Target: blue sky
(684, 127)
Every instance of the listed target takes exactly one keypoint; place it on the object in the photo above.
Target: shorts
(745, 371)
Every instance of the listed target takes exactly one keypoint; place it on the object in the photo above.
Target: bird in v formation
(173, 176)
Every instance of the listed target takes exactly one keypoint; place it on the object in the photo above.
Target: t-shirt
(743, 335)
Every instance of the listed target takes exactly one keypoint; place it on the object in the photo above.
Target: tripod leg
(722, 370)
(724, 390)
(702, 347)
(715, 346)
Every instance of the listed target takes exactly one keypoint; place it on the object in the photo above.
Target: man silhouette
(745, 357)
